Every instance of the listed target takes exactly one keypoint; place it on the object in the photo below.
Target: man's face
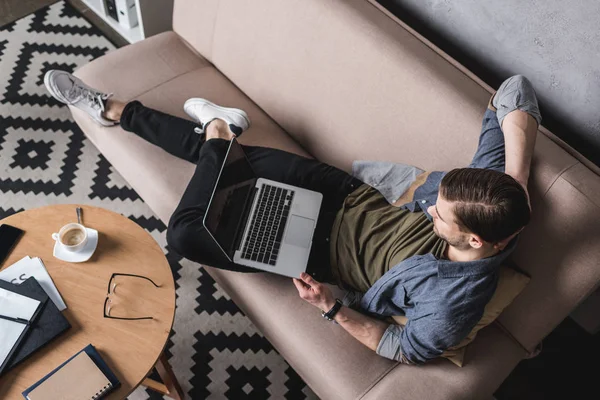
(445, 226)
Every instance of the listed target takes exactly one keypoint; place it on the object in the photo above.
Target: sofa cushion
(337, 367)
(347, 83)
(166, 90)
(333, 363)
(488, 360)
(163, 56)
(195, 21)
(560, 250)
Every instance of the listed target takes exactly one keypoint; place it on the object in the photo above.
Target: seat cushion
(333, 363)
(488, 360)
(163, 57)
(336, 366)
(158, 177)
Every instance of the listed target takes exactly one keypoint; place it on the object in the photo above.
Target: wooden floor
(11, 10)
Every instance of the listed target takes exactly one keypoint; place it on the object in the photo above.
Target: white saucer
(83, 254)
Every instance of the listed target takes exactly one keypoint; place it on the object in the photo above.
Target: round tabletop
(130, 348)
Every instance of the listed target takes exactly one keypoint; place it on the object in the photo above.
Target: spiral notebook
(80, 378)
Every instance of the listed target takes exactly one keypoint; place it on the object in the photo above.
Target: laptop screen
(225, 210)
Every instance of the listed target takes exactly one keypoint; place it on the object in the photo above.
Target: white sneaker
(71, 90)
(203, 111)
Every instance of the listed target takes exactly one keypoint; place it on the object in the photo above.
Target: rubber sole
(226, 110)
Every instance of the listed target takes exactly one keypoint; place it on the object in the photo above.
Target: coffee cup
(72, 237)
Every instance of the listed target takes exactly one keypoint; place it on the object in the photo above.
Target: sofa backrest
(349, 82)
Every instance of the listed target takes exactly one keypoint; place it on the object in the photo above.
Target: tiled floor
(560, 371)
(11, 10)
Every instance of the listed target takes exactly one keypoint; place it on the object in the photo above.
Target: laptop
(258, 222)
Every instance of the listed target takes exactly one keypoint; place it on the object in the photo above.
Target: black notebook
(47, 325)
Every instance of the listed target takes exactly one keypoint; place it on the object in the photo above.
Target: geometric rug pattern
(215, 351)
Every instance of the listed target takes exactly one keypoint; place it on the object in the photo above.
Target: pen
(15, 319)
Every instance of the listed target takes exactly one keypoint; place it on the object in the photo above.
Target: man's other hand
(314, 292)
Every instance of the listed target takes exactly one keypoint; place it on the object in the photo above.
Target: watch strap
(329, 315)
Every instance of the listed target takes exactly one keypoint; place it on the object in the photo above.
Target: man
(435, 258)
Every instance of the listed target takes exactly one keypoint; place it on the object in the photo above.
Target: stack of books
(30, 311)
(28, 320)
(30, 317)
(28, 267)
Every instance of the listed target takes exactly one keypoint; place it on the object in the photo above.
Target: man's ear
(504, 242)
(475, 241)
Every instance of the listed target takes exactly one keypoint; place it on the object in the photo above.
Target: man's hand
(314, 292)
(366, 330)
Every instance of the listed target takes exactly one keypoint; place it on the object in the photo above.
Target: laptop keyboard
(268, 222)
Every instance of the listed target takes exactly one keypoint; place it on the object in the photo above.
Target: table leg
(171, 386)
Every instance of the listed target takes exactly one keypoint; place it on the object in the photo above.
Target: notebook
(17, 312)
(85, 376)
(47, 325)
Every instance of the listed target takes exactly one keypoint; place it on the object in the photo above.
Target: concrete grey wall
(555, 43)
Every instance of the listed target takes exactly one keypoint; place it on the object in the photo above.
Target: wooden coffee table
(131, 348)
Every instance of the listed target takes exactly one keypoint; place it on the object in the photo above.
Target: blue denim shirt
(443, 300)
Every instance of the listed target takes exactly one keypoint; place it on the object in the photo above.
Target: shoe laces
(96, 99)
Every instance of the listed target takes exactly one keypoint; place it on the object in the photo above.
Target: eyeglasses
(111, 290)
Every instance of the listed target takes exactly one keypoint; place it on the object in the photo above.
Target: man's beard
(460, 242)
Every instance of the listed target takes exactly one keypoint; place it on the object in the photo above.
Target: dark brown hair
(488, 203)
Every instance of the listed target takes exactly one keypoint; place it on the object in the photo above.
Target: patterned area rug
(214, 349)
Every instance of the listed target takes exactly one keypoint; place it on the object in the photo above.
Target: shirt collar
(459, 269)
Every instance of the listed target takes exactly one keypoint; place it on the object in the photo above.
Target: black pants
(186, 234)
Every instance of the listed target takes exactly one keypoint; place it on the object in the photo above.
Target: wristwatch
(329, 315)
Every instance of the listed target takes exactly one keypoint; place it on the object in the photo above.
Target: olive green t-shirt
(370, 236)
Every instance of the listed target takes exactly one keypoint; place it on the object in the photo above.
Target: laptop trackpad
(299, 231)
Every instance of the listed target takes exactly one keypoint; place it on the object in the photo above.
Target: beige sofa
(342, 80)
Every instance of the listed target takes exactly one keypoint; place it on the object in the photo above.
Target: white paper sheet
(27, 267)
(16, 306)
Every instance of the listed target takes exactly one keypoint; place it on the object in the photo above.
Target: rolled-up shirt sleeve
(516, 93)
(421, 340)
(390, 344)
